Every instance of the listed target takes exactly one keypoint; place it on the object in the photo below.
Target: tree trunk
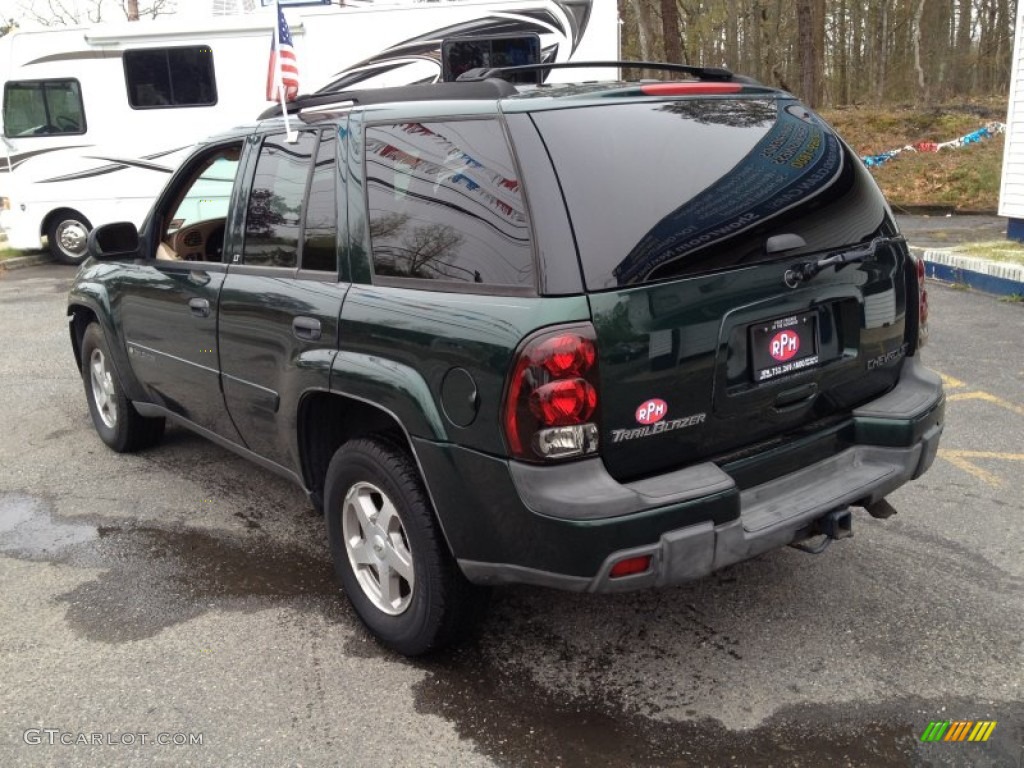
(857, 54)
(805, 51)
(732, 33)
(670, 29)
(841, 49)
(922, 93)
(963, 49)
(131, 10)
(642, 14)
(882, 52)
(818, 51)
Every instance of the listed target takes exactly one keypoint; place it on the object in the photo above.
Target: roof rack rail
(475, 89)
(716, 74)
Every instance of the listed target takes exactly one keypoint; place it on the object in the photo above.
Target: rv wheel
(67, 236)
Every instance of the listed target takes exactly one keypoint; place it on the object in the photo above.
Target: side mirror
(113, 242)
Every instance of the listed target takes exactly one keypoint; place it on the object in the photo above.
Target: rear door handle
(199, 307)
(306, 328)
(796, 397)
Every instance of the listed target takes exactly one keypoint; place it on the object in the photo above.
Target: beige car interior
(190, 243)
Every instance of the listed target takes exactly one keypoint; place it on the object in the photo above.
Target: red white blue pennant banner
(985, 132)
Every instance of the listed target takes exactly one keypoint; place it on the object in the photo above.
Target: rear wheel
(67, 236)
(117, 422)
(389, 552)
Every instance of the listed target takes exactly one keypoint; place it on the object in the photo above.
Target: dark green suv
(597, 336)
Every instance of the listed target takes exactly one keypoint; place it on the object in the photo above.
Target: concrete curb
(28, 260)
(996, 277)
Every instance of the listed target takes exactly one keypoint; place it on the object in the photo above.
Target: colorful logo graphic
(652, 411)
(958, 730)
(784, 345)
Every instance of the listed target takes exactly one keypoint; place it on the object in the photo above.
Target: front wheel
(117, 422)
(389, 552)
(67, 237)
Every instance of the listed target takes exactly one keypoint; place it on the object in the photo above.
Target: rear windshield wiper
(800, 273)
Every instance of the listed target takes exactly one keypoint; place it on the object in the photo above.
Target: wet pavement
(174, 576)
(945, 231)
(184, 590)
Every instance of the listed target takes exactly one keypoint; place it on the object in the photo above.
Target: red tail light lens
(562, 402)
(688, 89)
(630, 566)
(551, 398)
(565, 355)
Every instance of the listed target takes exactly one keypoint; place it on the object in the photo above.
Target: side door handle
(199, 307)
(306, 328)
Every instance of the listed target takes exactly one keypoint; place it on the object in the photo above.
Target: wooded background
(828, 52)
(836, 52)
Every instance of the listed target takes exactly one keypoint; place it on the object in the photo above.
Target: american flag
(282, 55)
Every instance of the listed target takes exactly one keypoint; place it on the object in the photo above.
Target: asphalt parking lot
(184, 593)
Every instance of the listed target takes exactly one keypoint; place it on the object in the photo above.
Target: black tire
(441, 605)
(117, 422)
(66, 237)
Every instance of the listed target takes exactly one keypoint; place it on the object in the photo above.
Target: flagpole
(290, 136)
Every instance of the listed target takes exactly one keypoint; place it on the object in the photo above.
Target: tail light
(688, 88)
(551, 398)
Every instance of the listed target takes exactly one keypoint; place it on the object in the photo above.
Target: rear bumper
(566, 526)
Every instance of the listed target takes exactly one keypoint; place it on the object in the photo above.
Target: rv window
(275, 203)
(445, 204)
(170, 77)
(43, 108)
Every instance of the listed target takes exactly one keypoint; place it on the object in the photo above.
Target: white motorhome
(95, 119)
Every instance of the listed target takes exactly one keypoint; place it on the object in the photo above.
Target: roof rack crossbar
(719, 74)
(482, 89)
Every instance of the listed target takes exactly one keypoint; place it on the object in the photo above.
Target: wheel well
(327, 421)
(56, 213)
(80, 317)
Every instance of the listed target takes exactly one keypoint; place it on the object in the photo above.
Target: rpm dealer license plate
(782, 346)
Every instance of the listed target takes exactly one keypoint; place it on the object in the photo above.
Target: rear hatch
(692, 218)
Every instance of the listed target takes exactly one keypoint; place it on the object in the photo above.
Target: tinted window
(43, 108)
(662, 190)
(318, 238)
(170, 77)
(275, 203)
(445, 204)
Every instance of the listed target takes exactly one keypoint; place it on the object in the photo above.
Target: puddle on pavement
(151, 578)
(27, 528)
(516, 722)
(495, 704)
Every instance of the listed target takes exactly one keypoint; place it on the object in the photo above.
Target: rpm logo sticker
(784, 345)
(651, 412)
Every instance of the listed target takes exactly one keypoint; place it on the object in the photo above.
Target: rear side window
(319, 235)
(665, 190)
(274, 213)
(170, 77)
(445, 204)
(43, 108)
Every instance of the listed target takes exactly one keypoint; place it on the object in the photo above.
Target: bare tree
(837, 51)
(67, 13)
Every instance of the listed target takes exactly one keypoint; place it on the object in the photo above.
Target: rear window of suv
(445, 204)
(659, 190)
